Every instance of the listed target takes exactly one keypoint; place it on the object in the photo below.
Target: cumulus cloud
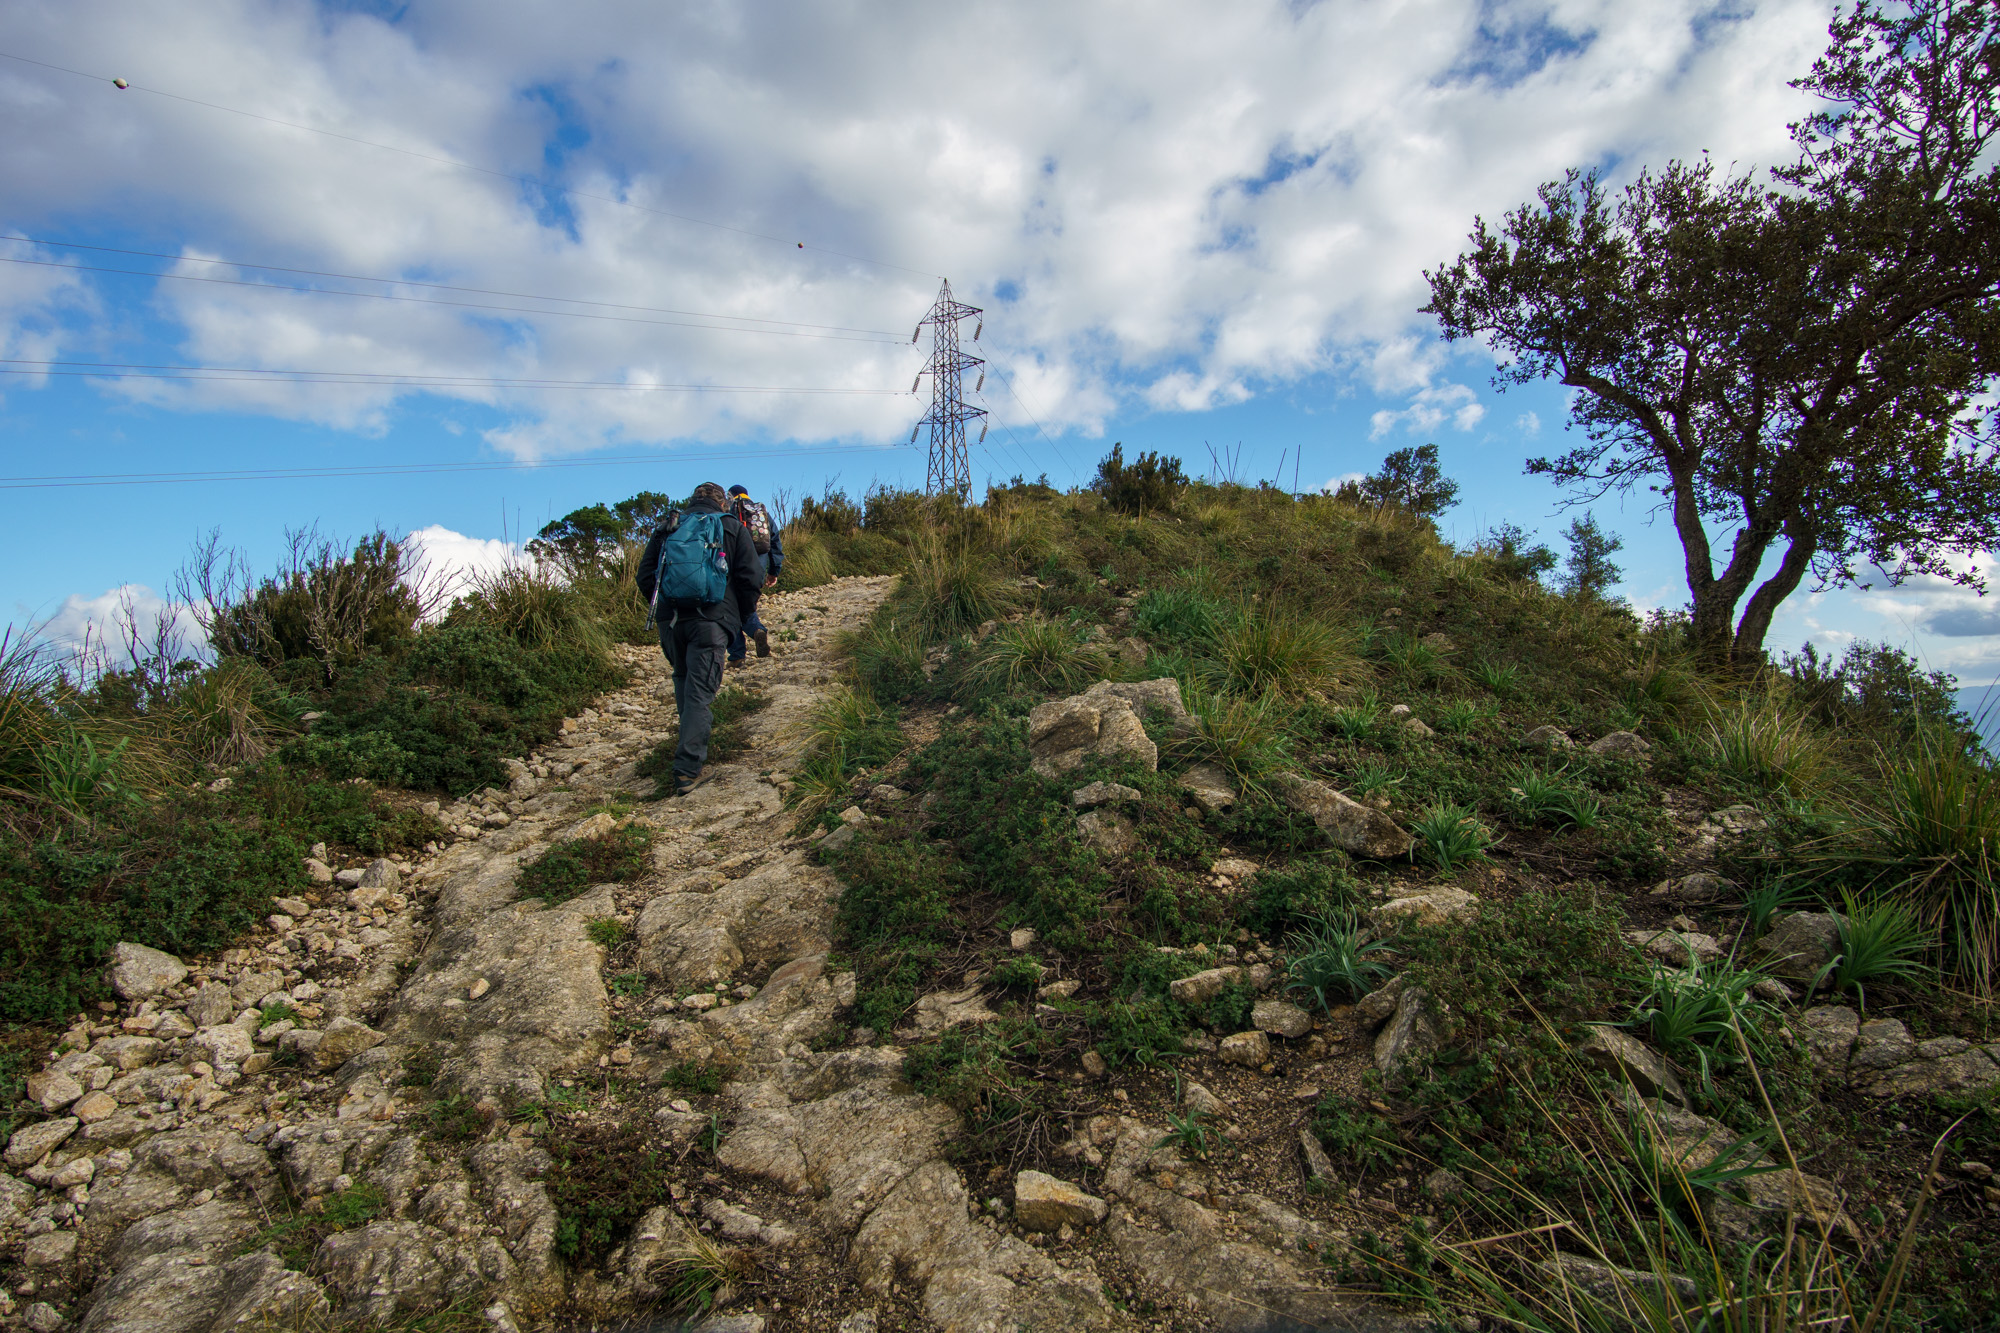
(1528, 423)
(459, 560)
(1175, 212)
(120, 623)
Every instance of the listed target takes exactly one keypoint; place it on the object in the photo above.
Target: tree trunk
(1747, 652)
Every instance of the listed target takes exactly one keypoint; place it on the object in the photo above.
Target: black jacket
(746, 578)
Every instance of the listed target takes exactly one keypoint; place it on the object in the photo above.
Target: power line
(407, 469)
(125, 85)
(434, 286)
(427, 300)
(1009, 382)
(254, 375)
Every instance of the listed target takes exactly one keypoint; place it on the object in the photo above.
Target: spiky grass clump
(1332, 959)
(1761, 741)
(846, 732)
(1246, 736)
(1039, 654)
(1450, 836)
(888, 657)
(533, 606)
(808, 560)
(1544, 798)
(1880, 940)
(952, 589)
(1266, 651)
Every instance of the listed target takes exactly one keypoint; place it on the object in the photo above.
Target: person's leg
(737, 647)
(670, 649)
(703, 645)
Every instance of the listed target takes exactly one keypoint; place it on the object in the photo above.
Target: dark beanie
(738, 490)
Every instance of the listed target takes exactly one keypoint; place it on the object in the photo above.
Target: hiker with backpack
(700, 570)
(771, 552)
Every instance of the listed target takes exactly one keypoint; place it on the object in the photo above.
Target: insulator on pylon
(982, 431)
(917, 333)
(915, 382)
(982, 382)
(913, 431)
(976, 328)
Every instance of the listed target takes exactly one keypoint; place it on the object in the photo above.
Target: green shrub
(1544, 799)
(1878, 941)
(603, 1178)
(1271, 652)
(952, 589)
(1696, 1012)
(1149, 483)
(1762, 742)
(1282, 897)
(567, 869)
(536, 608)
(1180, 616)
(888, 658)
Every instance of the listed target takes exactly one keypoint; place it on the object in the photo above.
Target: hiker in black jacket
(696, 641)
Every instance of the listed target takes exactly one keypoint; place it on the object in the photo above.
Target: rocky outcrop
(703, 928)
(1800, 944)
(1105, 721)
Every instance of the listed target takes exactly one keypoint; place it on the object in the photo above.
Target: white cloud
(1528, 423)
(458, 559)
(1167, 211)
(108, 627)
(1430, 408)
(1335, 483)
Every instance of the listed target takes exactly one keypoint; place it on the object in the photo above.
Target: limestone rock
(941, 1010)
(1210, 787)
(211, 1004)
(1318, 1165)
(1044, 1203)
(1615, 1297)
(1103, 721)
(1203, 986)
(387, 1268)
(34, 1142)
(743, 1226)
(1379, 1004)
(1800, 944)
(1677, 948)
(1108, 833)
(381, 874)
(1553, 738)
(780, 911)
(140, 973)
(342, 1040)
(1431, 908)
(1281, 1018)
(1830, 1030)
(1245, 1048)
(1407, 1039)
(52, 1091)
(1351, 826)
(1102, 793)
(1763, 1205)
(1618, 1052)
(1729, 824)
(223, 1045)
(1624, 744)
(127, 1053)
(1196, 1097)
(49, 1249)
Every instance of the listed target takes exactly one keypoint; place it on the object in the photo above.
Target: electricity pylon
(949, 471)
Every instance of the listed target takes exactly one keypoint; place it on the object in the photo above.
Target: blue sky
(1189, 226)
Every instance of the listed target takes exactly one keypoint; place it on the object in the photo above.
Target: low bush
(602, 1179)
(568, 868)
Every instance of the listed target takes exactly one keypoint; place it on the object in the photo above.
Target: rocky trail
(349, 1120)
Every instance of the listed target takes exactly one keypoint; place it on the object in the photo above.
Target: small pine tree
(1410, 479)
(1589, 571)
(1516, 555)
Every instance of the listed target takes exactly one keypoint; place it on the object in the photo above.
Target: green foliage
(607, 931)
(894, 915)
(1501, 679)
(1878, 941)
(986, 1073)
(847, 731)
(1188, 1133)
(1515, 554)
(1410, 480)
(1587, 571)
(1450, 836)
(569, 868)
(1298, 894)
(1545, 799)
(326, 605)
(1043, 656)
(952, 589)
(888, 657)
(1695, 1013)
(1355, 1133)
(1332, 959)
(1875, 688)
(296, 1238)
(1462, 716)
(1264, 651)
(444, 714)
(694, 1076)
(1150, 482)
(1543, 952)
(628, 985)
(1180, 615)
(1020, 972)
(604, 1177)
(1763, 742)
(1246, 735)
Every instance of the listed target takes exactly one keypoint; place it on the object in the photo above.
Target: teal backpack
(694, 564)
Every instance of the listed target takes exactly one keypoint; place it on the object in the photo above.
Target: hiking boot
(682, 786)
(763, 643)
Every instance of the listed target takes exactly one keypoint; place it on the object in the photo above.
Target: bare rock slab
(1620, 1053)
(1281, 1018)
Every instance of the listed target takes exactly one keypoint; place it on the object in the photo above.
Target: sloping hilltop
(1248, 914)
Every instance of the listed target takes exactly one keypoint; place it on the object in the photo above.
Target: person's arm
(649, 564)
(776, 557)
(743, 566)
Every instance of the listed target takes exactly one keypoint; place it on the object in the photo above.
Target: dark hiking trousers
(696, 648)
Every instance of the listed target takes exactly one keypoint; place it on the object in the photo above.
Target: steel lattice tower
(950, 470)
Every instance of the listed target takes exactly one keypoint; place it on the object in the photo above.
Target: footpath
(368, 1114)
